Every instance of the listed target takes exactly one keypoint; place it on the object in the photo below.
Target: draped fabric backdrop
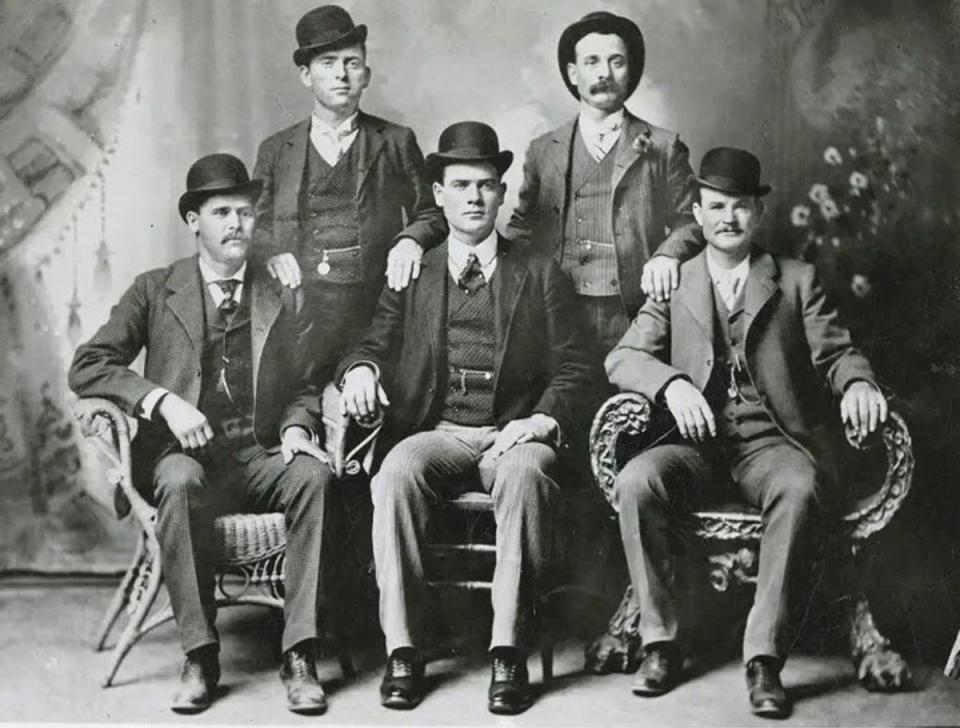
(105, 103)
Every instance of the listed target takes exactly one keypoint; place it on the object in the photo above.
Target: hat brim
(758, 191)
(632, 38)
(192, 199)
(435, 162)
(303, 55)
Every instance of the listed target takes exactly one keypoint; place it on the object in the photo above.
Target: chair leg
(121, 597)
(546, 660)
(618, 649)
(142, 598)
(952, 668)
(346, 665)
(879, 668)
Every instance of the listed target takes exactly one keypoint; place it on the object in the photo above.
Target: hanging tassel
(74, 325)
(102, 275)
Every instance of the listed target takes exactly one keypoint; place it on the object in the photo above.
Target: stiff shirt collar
(729, 281)
(210, 278)
(591, 128)
(485, 250)
(344, 128)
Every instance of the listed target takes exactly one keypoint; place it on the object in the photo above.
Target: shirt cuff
(357, 365)
(309, 430)
(557, 439)
(149, 403)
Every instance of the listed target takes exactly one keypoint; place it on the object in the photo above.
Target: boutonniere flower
(643, 143)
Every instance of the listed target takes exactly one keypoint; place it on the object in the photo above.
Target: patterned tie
(229, 287)
(471, 277)
(728, 287)
(605, 141)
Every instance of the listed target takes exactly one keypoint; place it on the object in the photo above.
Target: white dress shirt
(600, 136)
(729, 281)
(485, 250)
(332, 143)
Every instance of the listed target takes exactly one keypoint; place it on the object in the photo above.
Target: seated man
(742, 355)
(482, 367)
(224, 421)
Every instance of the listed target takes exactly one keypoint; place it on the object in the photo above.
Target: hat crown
(322, 25)
(469, 136)
(731, 170)
(605, 23)
(216, 171)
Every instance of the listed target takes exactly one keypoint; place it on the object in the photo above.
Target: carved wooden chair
(617, 432)
(251, 547)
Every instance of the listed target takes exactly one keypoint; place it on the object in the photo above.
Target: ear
(572, 73)
(193, 221)
(698, 213)
(305, 76)
(367, 74)
(760, 209)
(438, 194)
(503, 193)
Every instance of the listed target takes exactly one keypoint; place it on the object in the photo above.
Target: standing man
(607, 191)
(745, 356)
(224, 421)
(339, 187)
(483, 369)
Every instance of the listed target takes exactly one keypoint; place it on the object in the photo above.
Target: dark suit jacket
(392, 192)
(650, 206)
(163, 311)
(542, 364)
(796, 350)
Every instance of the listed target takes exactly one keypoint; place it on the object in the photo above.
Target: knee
(177, 476)
(523, 474)
(397, 480)
(635, 484)
(307, 477)
(796, 491)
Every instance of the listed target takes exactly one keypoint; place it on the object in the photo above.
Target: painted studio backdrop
(852, 106)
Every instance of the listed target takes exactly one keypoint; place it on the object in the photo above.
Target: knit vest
(329, 226)
(589, 257)
(471, 353)
(227, 346)
(741, 418)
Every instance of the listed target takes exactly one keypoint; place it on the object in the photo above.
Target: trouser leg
(186, 508)
(302, 490)
(649, 489)
(403, 489)
(524, 497)
(784, 483)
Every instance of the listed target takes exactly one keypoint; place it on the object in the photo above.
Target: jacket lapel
(431, 290)
(760, 288)
(290, 167)
(265, 305)
(628, 152)
(512, 275)
(696, 293)
(370, 140)
(186, 299)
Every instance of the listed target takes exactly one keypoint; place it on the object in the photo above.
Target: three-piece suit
(457, 368)
(244, 372)
(767, 368)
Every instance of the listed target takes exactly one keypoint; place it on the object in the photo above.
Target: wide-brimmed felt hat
(216, 174)
(731, 170)
(605, 23)
(468, 141)
(325, 28)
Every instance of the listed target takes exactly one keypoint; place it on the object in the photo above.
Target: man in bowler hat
(225, 421)
(745, 356)
(606, 192)
(482, 368)
(338, 189)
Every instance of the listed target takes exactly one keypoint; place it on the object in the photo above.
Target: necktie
(471, 277)
(604, 141)
(229, 287)
(728, 287)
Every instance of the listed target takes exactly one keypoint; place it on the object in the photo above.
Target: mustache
(601, 86)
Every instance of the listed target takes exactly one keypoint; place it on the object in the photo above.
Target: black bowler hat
(325, 28)
(216, 174)
(730, 170)
(467, 141)
(607, 24)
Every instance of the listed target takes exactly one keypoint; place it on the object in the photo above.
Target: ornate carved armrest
(339, 428)
(109, 430)
(627, 414)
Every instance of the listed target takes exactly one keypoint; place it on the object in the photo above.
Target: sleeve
(264, 244)
(522, 220)
(427, 224)
(684, 239)
(380, 346)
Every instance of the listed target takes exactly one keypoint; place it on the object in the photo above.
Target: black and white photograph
(480, 362)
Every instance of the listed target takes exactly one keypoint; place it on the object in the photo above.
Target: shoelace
(299, 665)
(401, 667)
(504, 671)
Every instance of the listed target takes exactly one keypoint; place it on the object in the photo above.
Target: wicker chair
(251, 547)
(625, 418)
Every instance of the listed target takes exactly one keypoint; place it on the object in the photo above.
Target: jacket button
(614, 282)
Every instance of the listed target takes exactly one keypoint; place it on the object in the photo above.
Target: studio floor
(51, 674)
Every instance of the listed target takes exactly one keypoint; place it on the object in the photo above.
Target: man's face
(223, 226)
(471, 195)
(600, 71)
(729, 222)
(337, 78)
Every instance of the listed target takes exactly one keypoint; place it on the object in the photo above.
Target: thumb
(287, 451)
(382, 396)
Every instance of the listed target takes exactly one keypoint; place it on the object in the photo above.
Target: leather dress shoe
(403, 684)
(198, 680)
(767, 696)
(509, 692)
(298, 673)
(660, 670)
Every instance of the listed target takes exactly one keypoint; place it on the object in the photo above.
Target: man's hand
(296, 439)
(538, 427)
(690, 410)
(286, 268)
(362, 395)
(188, 424)
(863, 408)
(403, 263)
(661, 275)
